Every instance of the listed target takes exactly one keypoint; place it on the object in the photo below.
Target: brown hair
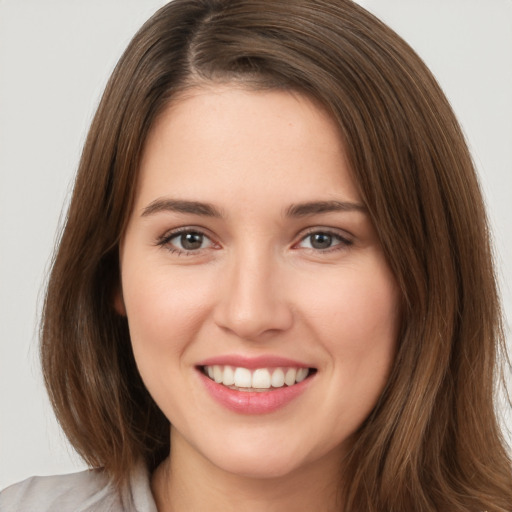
(433, 442)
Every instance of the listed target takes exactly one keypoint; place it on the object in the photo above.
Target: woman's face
(249, 262)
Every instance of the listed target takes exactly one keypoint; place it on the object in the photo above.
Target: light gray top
(87, 491)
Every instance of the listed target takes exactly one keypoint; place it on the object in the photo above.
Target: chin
(257, 460)
(258, 467)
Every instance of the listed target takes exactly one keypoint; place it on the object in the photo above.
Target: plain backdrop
(55, 58)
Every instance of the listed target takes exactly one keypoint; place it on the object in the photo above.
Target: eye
(189, 241)
(323, 241)
(186, 241)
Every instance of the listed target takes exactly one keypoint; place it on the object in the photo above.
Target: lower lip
(254, 402)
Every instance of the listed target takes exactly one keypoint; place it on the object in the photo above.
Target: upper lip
(263, 361)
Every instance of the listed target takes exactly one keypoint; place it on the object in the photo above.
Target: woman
(276, 267)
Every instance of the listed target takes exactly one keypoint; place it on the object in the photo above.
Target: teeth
(229, 376)
(217, 374)
(302, 373)
(277, 378)
(258, 379)
(243, 378)
(261, 378)
(289, 378)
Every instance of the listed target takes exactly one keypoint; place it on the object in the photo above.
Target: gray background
(55, 58)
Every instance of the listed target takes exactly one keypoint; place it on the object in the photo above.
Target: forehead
(222, 139)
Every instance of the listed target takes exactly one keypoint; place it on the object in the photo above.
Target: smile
(258, 379)
(257, 385)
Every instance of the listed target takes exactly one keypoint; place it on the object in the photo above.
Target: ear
(119, 301)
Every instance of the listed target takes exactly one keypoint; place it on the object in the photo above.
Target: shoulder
(86, 491)
(64, 492)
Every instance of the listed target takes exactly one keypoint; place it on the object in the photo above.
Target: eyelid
(345, 238)
(164, 240)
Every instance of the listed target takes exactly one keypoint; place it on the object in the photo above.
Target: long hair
(432, 442)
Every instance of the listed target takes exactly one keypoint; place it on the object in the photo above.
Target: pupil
(191, 241)
(321, 241)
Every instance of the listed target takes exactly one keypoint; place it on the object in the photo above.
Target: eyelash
(343, 241)
(165, 241)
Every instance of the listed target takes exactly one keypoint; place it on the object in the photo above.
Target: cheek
(164, 310)
(356, 309)
(367, 330)
(371, 313)
(357, 322)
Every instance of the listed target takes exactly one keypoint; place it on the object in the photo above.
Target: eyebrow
(208, 210)
(181, 206)
(317, 207)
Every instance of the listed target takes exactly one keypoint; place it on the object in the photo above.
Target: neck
(188, 481)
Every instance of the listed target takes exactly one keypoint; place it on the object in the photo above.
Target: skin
(259, 284)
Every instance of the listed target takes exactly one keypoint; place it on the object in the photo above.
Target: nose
(252, 302)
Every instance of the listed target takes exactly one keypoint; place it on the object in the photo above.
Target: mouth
(256, 380)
